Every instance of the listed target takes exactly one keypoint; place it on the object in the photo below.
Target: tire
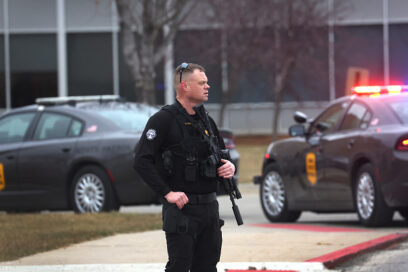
(371, 208)
(274, 197)
(91, 191)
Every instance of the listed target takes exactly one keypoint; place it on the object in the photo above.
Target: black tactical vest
(191, 155)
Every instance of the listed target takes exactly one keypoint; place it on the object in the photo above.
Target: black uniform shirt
(163, 132)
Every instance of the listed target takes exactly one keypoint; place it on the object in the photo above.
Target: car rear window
(128, 116)
(400, 108)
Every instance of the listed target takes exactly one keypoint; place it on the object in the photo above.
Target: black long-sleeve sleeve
(149, 149)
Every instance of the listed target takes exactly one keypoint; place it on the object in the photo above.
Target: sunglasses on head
(183, 67)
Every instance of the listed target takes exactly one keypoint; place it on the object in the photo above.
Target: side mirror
(300, 117)
(296, 130)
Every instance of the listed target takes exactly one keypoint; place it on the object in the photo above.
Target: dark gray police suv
(353, 157)
(75, 153)
(72, 153)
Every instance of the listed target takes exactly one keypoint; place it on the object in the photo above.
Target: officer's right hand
(179, 198)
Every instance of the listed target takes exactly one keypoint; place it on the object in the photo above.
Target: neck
(187, 105)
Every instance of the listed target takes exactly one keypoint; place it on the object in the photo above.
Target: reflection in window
(356, 117)
(76, 129)
(327, 121)
(14, 127)
(54, 126)
(401, 110)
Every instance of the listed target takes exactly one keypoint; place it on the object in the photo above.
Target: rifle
(217, 154)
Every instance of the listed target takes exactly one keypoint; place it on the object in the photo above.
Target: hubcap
(365, 196)
(273, 195)
(89, 194)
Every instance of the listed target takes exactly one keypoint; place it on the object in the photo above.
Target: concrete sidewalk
(273, 246)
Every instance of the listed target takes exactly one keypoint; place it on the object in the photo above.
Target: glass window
(14, 127)
(358, 46)
(328, 120)
(75, 129)
(400, 108)
(127, 116)
(356, 117)
(33, 61)
(54, 126)
(90, 64)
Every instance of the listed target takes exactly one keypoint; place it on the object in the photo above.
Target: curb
(335, 258)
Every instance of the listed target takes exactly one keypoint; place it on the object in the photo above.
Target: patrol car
(353, 157)
(75, 153)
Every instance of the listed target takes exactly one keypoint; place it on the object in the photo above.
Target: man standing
(174, 157)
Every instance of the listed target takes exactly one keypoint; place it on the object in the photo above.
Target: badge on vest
(151, 134)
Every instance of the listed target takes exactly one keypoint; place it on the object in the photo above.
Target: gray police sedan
(72, 153)
(352, 158)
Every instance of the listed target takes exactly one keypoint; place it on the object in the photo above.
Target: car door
(314, 159)
(338, 150)
(44, 160)
(13, 129)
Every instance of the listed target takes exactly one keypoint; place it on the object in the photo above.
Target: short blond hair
(191, 67)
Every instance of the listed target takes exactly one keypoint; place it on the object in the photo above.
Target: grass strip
(26, 234)
(251, 158)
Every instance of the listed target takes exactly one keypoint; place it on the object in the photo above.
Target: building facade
(72, 47)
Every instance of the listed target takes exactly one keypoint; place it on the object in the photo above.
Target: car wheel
(274, 197)
(92, 192)
(371, 207)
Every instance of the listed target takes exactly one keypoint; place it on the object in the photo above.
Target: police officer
(172, 158)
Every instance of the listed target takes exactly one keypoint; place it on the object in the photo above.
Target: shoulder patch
(151, 134)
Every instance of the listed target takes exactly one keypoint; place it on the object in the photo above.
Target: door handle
(350, 144)
(10, 157)
(66, 150)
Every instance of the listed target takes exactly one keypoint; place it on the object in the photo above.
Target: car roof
(84, 109)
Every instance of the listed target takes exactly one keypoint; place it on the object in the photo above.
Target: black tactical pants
(193, 237)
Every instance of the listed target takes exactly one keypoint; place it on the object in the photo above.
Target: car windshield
(128, 116)
(400, 108)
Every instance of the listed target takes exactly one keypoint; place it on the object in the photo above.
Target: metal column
(386, 43)
(332, 64)
(62, 49)
(115, 50)
(169, 96)
(7, 54)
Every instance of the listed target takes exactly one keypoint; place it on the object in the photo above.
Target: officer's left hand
(226, 170)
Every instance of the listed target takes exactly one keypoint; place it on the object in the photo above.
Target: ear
(183, 86)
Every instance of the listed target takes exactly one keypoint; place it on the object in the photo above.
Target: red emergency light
(373, 91)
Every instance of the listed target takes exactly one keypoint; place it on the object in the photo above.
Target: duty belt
(201, 198)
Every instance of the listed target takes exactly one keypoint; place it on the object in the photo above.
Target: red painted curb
(335, 258)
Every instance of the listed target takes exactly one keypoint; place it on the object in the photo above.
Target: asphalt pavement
(257, 244)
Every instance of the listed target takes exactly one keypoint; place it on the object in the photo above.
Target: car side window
(328, 119)
(75, 129)
(55, 126)
(357, 117)
(14, 127)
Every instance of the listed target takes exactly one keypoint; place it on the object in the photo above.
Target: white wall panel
(32, 16)
(88, 15)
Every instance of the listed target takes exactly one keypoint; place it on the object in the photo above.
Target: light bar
(73, 99)
(373, 91)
